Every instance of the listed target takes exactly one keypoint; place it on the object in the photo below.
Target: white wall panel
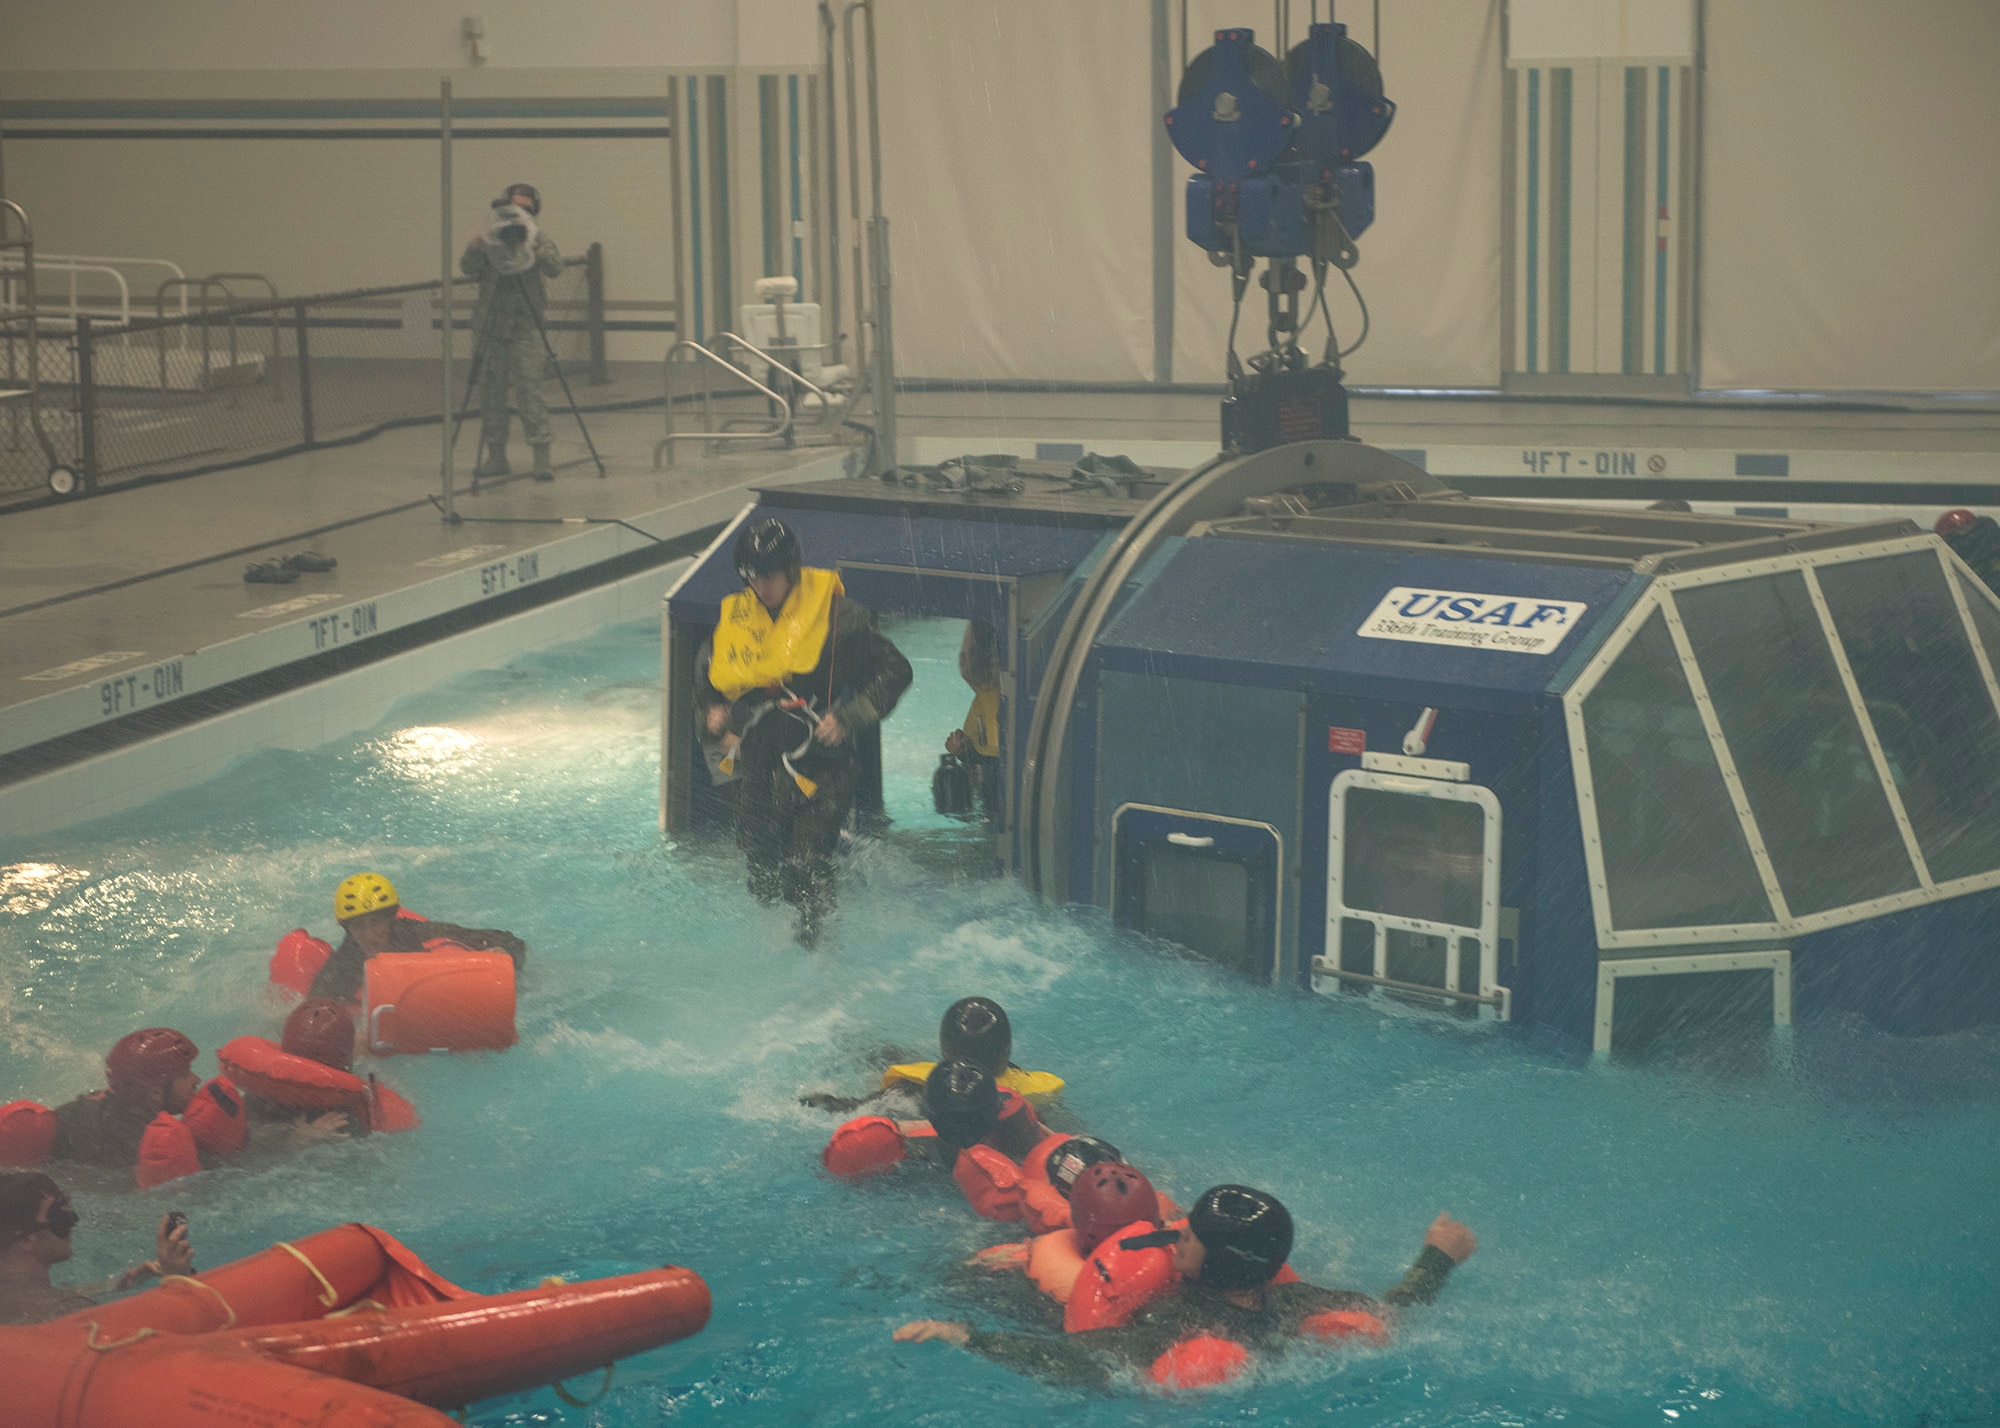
(1016, 142)
(1851, 213)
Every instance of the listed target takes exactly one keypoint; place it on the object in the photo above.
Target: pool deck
(127, 614)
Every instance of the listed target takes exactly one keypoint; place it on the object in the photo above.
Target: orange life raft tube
(345, 1329)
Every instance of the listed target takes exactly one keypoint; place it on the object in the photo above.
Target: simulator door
(1413, 897)
(1207, 882)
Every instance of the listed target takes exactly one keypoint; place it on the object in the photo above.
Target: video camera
(511, 222)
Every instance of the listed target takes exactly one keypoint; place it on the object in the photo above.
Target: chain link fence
(232, 383)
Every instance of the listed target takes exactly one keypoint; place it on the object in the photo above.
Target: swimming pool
(1722, 1232)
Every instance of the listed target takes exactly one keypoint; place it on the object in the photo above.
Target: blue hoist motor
(1276, 148)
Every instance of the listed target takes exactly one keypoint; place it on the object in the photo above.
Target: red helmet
(1952, 522)
(321, 1030)
(141, 1065)
(1107, 1197)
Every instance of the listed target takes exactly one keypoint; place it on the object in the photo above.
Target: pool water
(1720, 1232)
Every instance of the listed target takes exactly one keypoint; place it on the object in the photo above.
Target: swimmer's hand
(332, 1125)
(829, 730)
(171, 1245)
(998, 1259)
(1452, 1237)
(717, 718)
(922, 1331)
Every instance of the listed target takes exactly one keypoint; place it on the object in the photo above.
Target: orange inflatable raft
(345, 1329)
(446, 998)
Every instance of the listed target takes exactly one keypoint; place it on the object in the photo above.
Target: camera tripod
(473, 373)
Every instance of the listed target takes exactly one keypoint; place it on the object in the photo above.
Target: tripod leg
(465, 406)
(568, 395)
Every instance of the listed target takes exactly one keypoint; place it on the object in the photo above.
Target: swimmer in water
(36, 1223)
(973, 1029)
(370, 913)
(1236, 1241)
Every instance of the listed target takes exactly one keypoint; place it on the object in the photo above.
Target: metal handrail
(781, 420)
(791, 377)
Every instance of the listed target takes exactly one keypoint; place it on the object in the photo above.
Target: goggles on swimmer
(60, 1220)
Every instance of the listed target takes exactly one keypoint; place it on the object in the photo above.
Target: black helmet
(1076, 1155)
(962, 1103)
(534, 196)
(975, 1029)
(1247, 1235)
(766, 547)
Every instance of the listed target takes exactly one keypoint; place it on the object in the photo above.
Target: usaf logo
(1512, 624)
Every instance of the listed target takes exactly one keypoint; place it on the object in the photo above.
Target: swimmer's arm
(1082, 1360)
(479, 939)
(1424, 1281)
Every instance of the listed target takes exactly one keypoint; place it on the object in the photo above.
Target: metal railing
(780, 420)
(148, 398)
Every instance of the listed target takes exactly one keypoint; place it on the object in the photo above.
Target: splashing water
(1803, 1234)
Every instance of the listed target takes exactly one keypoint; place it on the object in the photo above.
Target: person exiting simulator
(796, 673)
(512, 260)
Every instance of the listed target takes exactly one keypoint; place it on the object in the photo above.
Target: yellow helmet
(364, 892)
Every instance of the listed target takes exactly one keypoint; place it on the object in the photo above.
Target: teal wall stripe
(768, 162)
(1666, 87)
(718, 158)
(1562, 86)
(798, 205)
(1632, 278)
(698, 288)
(1534, 207)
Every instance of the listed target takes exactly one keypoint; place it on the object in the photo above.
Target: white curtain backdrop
(1016, 149)
(1851, 219)
(1017, 183)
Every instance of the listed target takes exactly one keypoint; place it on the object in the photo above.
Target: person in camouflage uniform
(512, 259)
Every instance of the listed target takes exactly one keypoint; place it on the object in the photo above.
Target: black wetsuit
(1091, 1358)
(344, 971)
(787, 835)
(99, 1129)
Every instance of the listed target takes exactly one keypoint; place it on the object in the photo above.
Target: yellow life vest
(1034, 1085)
(982, 723)
(751, 650)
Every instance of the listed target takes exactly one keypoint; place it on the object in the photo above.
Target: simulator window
(1798, 747)
(1674, 851)
(1928, 701)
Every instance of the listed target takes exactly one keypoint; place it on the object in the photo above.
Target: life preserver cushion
(1200, 1362)
(1345, 1324)
(865, 1145)
(298, 960)
(1035, 1085)
(439, 1001)
(27, 1133)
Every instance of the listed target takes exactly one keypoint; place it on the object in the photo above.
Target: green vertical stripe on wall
(1534, 207)
(1632, 291)
(1562, 88)
(770, 166)
(798, 208)
(700, 329)
(718, 168)
(1666, 84)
